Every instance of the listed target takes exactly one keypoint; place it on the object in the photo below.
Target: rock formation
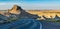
(22, 13)
(57, 17)
(16, 13)
(15, 10)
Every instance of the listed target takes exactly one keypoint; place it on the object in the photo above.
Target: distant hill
(46, 13)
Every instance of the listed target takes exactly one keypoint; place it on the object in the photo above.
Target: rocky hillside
(16, 13)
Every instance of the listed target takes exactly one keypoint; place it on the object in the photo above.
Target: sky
(30, 4)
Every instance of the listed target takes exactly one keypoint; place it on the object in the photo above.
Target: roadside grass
(50, 20)
(56, 21)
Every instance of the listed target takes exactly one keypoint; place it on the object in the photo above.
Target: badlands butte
(18, 11)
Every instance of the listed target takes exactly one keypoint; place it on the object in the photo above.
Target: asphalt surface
(50, 25)
(22, 24)
(30, 24)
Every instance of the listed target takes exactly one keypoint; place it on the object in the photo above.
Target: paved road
(50, 25)
(22, 24)
(30, 24)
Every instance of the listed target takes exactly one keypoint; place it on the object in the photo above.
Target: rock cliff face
(22, 13)
(16, 13)
(15, 10)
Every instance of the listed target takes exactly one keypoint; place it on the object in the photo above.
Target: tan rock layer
(14, 10)
(46, 13)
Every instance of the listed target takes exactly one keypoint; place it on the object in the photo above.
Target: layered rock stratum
(46, 13)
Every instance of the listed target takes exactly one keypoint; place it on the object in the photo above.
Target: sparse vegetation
(11, 19)
(58, 21)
